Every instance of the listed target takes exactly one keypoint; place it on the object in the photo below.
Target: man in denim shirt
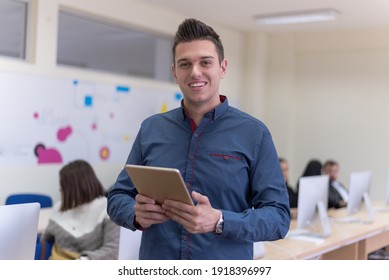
(226, 157)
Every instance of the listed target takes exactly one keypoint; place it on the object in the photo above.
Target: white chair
(129, 244)
(259, 250)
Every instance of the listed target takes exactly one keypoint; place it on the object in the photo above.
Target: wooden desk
(348, 241)
(367, 238)
(289, 248)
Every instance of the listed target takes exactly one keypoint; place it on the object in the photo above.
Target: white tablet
(159, 183)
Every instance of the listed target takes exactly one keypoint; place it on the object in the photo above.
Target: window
(13, 19)
(94, 44)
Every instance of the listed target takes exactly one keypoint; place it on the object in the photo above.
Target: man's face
(332, 171)
(197, 71)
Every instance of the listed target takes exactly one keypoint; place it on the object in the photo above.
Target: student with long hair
(79, 225)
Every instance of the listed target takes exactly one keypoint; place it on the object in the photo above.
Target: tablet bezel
(159, 183)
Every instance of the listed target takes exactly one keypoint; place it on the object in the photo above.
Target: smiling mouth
(197, 85)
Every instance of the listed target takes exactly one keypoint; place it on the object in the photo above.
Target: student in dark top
(313, 168)
(337, 193)
(285, 172)
(292, 194)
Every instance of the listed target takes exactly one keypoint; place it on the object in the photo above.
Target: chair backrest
(129, 244)
(18, 231)
(259, 250)
(44, 200)
(43, 250)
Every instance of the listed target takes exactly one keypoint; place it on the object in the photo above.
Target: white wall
(332, 89)
(41, 60)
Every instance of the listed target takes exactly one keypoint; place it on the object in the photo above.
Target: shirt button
(190, 157)
(185, 238)
(196, 134)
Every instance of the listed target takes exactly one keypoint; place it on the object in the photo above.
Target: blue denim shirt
(230, 157)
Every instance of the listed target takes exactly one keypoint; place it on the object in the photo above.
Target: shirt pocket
(229, 186)
(233, 161)
(225, 156)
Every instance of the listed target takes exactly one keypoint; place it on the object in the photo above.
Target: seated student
(313, 168)
(292, 194)
(338, 194)
(79, 225)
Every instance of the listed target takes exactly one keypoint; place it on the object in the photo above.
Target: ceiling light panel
(298, 17)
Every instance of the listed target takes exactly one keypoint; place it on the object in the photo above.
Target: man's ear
(223, 68)
(174, 73)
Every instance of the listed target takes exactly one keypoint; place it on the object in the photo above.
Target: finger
(148, 208)
(144, 199)
(151, 216)
(178, 218)
(147, 218)
(177, 205)
(189, 224)
(201, 199)
(146, 222)
(176, 213)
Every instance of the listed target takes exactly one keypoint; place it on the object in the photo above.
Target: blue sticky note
(88, 101)
(123, 89)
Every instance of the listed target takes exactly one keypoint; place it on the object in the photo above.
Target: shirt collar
(216, 112)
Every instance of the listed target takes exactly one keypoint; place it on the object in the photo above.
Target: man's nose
(196, 71)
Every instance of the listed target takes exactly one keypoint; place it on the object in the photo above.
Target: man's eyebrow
(202, 57)
(207, 57)
(182, 60)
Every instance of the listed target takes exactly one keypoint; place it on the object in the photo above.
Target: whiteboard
(46, 120)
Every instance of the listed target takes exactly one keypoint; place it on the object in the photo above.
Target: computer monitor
(385, 206)
(312, 203)
(359, 192)
(18, 231)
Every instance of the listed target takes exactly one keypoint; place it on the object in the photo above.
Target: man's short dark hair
(192, 29)
(330, 162)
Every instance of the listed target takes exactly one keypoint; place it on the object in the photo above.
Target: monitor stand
(324, 220)
(384, 208)
(369, 209)
(306, 235)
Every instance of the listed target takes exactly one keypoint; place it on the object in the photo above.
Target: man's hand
(201, 218)
(147, 212)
